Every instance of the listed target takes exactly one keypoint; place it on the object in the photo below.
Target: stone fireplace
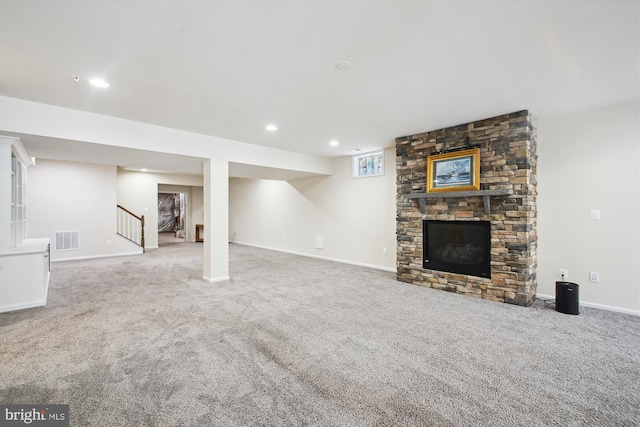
(507, 199)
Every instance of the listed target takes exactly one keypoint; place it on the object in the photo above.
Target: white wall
(138, 192)
(591, 160)
(72, 196)
(356, 217)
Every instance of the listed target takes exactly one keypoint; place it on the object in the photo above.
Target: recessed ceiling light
(99, 83)
(271, 127)
(343, 65)
(334, 143)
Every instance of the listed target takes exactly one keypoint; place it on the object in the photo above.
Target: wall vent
(67, 241)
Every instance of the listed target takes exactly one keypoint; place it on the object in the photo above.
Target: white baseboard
(596, 305)
(23, 305)
(97, 256)
(359, 264)
(216, 279)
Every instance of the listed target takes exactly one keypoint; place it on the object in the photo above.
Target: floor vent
(67, 241)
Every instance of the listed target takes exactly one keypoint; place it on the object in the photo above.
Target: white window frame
(360, 170)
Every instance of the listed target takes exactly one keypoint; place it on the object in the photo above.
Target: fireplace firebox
(462, 247)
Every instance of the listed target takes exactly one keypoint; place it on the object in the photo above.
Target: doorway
(172, 218)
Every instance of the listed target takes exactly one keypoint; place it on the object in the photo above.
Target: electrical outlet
(563, 274)
(384, 251)
(594, 277)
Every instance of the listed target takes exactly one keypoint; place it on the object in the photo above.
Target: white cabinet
(24, 275)
(24, 262)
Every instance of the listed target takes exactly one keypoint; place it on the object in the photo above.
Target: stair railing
(131, 226)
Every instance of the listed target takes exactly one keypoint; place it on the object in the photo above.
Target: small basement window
(368, 164)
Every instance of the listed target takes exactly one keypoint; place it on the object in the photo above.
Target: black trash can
(567, 298)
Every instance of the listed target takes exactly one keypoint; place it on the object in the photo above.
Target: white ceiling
(228, 68)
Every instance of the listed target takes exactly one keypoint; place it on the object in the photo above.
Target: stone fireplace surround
(507, 163)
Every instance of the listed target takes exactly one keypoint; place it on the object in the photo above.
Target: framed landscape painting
(457, 171)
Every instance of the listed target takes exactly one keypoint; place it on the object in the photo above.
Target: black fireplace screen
(462, 247)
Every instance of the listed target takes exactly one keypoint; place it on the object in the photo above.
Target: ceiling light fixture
(144, 170)
(343, 65)
(334, 143)
(99, 83)
(271, 127)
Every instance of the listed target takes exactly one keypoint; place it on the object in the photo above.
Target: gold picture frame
(456, 171)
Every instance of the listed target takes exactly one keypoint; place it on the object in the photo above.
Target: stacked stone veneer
(508, 161)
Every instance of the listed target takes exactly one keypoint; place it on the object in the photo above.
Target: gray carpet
(296, 341)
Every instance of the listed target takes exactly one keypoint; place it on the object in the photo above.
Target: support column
(216, 220)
